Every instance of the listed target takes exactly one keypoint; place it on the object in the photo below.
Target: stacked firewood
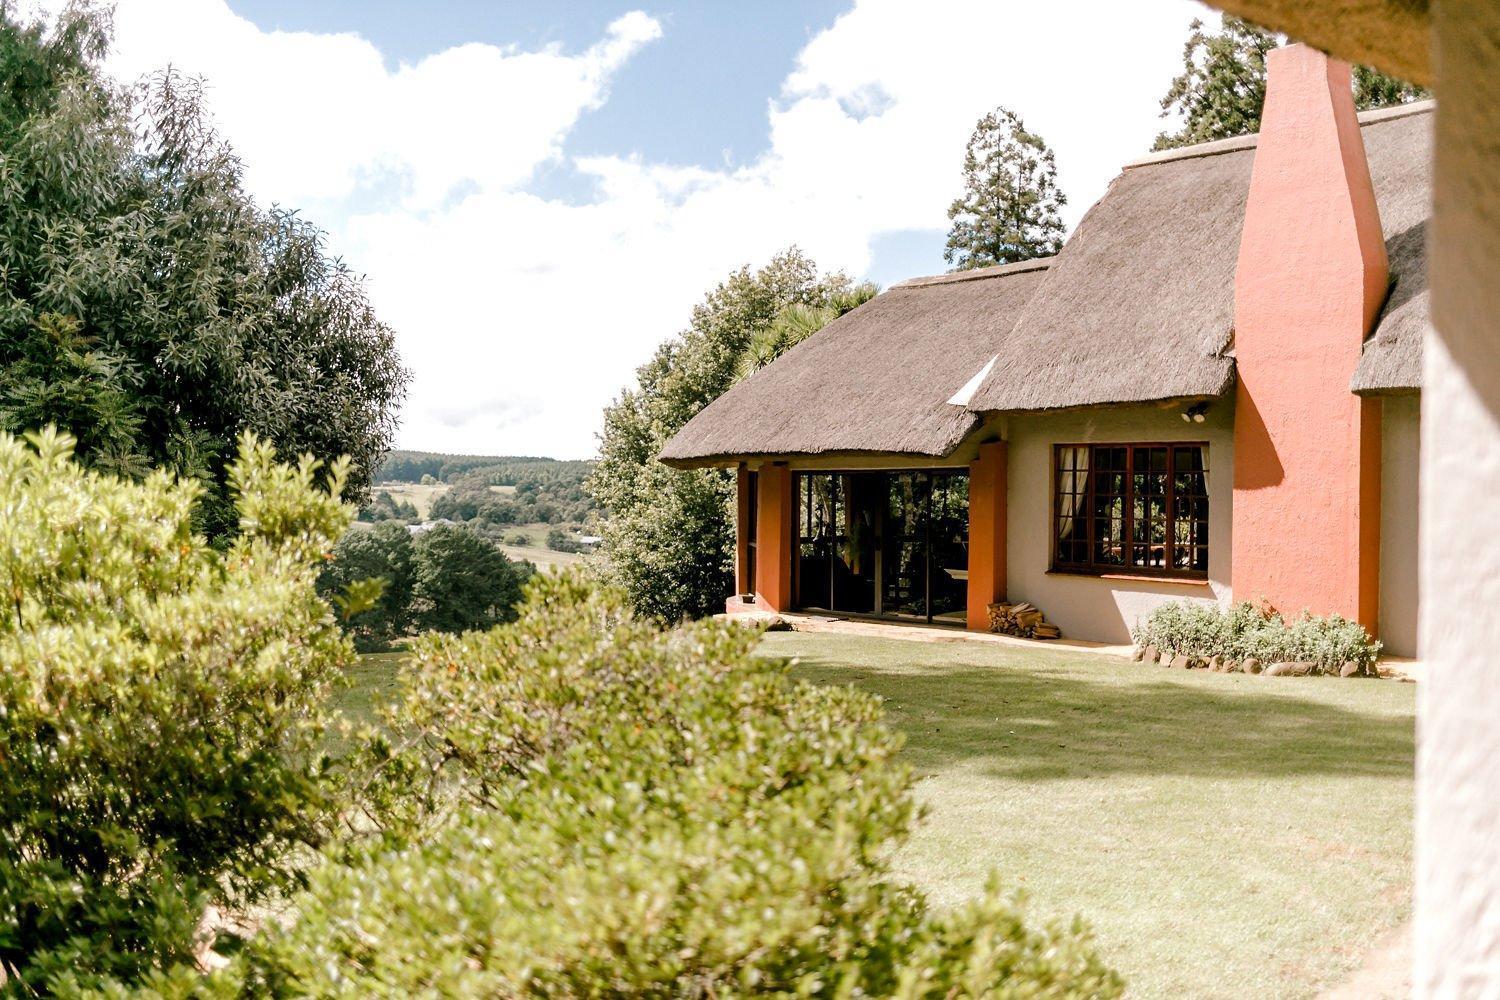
(1022, 619)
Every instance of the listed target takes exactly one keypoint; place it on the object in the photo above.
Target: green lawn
(1227, 835)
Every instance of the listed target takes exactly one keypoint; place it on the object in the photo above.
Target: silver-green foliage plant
(1249, 629)
(582, 804)
(160, 704)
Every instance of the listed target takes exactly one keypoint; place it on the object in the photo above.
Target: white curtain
(1072, 479)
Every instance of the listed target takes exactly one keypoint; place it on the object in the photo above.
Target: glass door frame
(801, 491)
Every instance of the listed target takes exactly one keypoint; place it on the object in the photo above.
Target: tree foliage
(448, 578)
(1009, 208)
(384, 507)
(147, 304)
(580, 804)
(160, 707)
(462, 581)
(384, 552)
(669, 533)
(504, 470)
(1222, 86)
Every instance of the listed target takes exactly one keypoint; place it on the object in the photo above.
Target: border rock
(1291, 668)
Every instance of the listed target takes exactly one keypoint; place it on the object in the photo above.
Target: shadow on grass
(1036, 722)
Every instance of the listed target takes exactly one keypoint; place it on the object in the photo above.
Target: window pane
(1072, 514)
(1108, 506)
(948, 537)
(1189, 509)
(816, 493)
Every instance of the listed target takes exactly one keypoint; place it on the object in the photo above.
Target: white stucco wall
(1457, 933)
(1090, 607)
(1400, 449)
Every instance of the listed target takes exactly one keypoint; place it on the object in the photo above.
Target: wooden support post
(987, 537)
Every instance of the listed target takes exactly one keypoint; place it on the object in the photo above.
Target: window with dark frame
(752, 506)
(1131, 508)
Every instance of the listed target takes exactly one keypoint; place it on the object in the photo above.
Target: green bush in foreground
(580, 804)
(1249, 630)
(159, 707)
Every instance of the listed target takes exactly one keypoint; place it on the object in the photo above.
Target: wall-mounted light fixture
(1195, 414)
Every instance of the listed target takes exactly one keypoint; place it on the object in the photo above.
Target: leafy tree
(580, 804)
(147, 304)
(559, 540)
(461, 581)
(1374, 89)
(797, 322)
(1222, 86)
(161, 705)
(669, 533)
(384, 552)
(384, 507)
(1009, 207)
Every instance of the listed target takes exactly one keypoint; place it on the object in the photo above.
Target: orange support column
(1311, 279)
(986, 533)
(775, 521)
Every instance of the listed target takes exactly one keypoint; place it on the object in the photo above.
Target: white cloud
(521, 317)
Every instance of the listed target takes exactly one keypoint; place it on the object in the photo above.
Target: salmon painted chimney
(1311, 278)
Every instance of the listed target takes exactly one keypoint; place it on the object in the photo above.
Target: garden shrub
(160, 703)
(580, 804)
(1250, 629)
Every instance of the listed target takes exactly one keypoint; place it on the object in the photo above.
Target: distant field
(421, 496)
(534, 551)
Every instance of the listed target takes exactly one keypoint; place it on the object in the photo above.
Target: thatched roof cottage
(1211, 392)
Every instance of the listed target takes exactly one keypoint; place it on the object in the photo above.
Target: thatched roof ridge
(1400, 155)
(1139, 306)
(976, 273)
(877, 380)
(1140, 303)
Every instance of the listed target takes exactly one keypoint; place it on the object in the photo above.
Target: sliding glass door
(893, 544)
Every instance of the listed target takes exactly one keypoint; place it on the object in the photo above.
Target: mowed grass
(1226, 835)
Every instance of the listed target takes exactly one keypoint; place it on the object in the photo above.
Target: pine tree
(1009, 207)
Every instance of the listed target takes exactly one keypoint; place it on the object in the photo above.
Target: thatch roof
(889, 377)
(1139, 306)
(1398, 143)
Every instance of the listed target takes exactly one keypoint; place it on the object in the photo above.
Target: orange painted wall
(987, 533)
(777, 517)
(1311, 278)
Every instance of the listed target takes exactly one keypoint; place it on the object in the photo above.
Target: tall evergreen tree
(1222, 86)
(1009, 207)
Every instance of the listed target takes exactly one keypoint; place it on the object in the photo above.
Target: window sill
(1180, 581)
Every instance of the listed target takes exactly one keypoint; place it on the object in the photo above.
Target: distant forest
(411, 466)
(545, 490)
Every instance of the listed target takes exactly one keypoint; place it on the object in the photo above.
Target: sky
(538, 192)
